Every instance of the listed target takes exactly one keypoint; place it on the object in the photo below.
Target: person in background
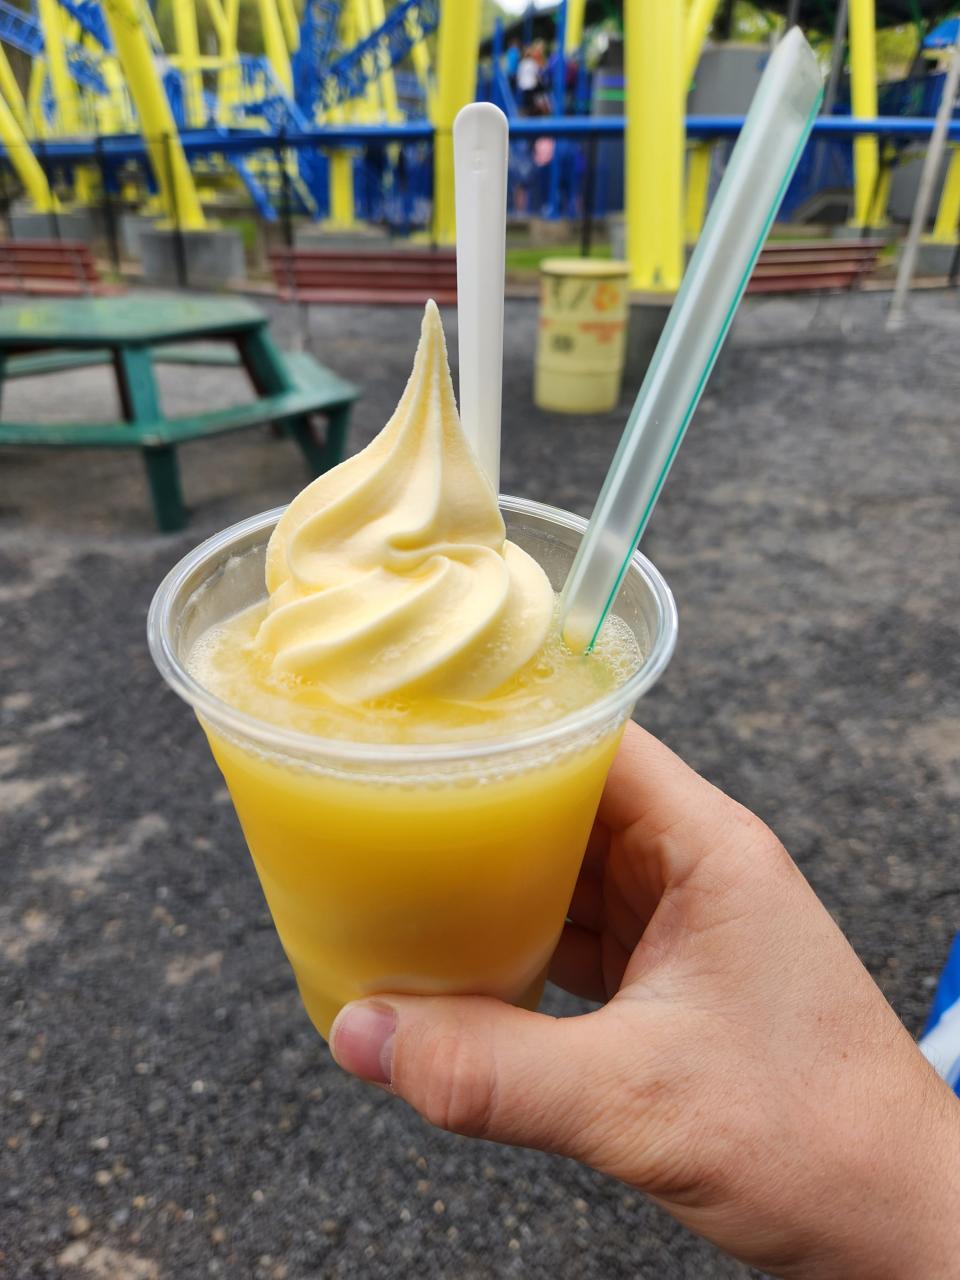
(511, 62)
(528, 81)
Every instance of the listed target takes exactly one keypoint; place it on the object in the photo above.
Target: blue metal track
(273, 103)
(318, 40)
(25, 33)
(257, 194)
(20, 30)
(90, 16)
(243, 141)
(348, 76)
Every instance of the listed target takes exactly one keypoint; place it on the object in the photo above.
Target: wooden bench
(313, 390)
(799, 266)
(50, 268)
(330, 275)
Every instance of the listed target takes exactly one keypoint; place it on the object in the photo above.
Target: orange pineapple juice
(444, 879)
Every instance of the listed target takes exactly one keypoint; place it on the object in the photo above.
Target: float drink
(453, 888)
(398, 614)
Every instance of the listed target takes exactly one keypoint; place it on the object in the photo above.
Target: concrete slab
(201, 259)
(936, 259)
(88, 225)
(132, 227)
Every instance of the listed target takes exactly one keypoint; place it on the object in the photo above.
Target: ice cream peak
(392, 572)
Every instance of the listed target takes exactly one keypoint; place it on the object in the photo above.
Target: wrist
(906, 1177)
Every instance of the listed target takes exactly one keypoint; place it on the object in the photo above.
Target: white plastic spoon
(480, 171)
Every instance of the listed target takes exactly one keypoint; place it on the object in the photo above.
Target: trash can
(583, 321)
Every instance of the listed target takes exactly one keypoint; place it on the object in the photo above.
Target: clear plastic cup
(434, 869)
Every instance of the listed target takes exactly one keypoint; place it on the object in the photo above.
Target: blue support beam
(255, 190)
(21, 30)
(319, 29)
(197, 142)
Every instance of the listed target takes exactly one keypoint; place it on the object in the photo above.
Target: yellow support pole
(342, 213)
(420, 57)
(878, 207)
(56, 27)
(24, 161)
(699, 17)
(218, 20)
(368, 108)
(275, 44)
(188, 54)
(388, 86)
(61, 82)
(112, 115)
(10, 88)
(156, 119)
(574, 28)
(458, 42)
(654, 143)
(38, 76)
(863, 91)
(947, 224)
(698, 185)
(231, 11)
(229, 80)
(291, 27)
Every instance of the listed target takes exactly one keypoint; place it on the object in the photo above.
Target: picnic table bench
(291, 388)
(409, 276)
(799, 266)
(54, 268)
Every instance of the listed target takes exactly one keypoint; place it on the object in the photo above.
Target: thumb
(479, 1067)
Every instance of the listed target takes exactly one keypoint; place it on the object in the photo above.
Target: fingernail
(361, 1040)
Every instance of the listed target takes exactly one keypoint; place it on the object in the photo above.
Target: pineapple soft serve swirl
(392, 572)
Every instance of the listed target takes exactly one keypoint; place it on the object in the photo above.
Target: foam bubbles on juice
(553, 684)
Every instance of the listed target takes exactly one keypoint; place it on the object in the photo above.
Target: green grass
(529, 256)
(246, 228)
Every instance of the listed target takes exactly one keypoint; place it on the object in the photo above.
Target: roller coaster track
(325, 83)
(318, 40)
(90, 16)
(24, 32)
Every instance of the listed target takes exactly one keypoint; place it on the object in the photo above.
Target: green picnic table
(135, 333)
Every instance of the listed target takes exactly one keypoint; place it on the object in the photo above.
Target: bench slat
(808, 269)
(413, 297)
(377, 270)
(49, 268)
(862, 244)
(362, 266)
(801, 284)
(368, 279)
(816, 259)
(396, 284)
(51, 271)
(52, 245)
(316, 389)
(804, 266)
(338, 255)
(55, 288)
(398, 278)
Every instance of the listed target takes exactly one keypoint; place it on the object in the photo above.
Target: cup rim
(279, 740)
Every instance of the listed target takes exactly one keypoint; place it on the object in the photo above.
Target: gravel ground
(166, 1109)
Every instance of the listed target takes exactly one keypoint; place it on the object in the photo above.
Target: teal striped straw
(763, 161)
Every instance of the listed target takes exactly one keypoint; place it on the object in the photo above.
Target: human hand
(745, 1070)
